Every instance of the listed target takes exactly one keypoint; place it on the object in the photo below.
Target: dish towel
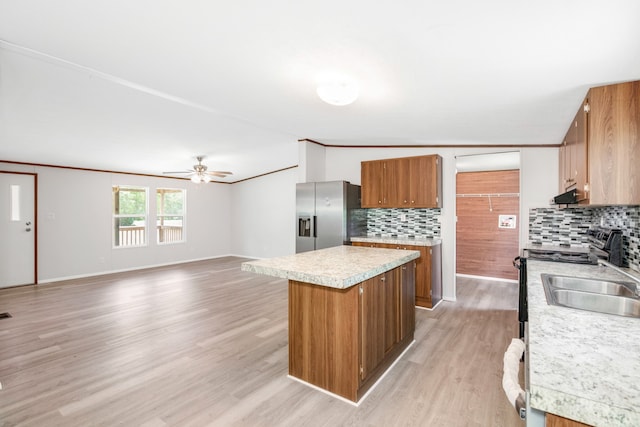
(511, 366)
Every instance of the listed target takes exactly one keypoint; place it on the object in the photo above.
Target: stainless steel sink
(602, 296)
(625, 289)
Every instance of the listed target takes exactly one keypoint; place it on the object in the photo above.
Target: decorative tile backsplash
(559, 226)
(420, 223)
(568, 227)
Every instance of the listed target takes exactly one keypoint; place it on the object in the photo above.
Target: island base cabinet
(343, 340)
(323, 344)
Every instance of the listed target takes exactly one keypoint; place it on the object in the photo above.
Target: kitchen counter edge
(339, 267)
(399, 240)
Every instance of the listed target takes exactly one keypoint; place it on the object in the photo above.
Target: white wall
(311, 162)
(539, 170)
(263, 214)
(254, 218)
(74, 223)
(538, 184)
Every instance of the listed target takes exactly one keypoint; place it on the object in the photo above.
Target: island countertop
(338, 267)
(582, 365)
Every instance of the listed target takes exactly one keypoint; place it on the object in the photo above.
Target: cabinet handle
(413, 201)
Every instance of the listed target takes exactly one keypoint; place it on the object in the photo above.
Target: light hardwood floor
(204, 344)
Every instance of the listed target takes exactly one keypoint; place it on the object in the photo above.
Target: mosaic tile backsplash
(568, 227)
(419, 223)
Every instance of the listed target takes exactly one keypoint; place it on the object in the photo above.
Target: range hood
(568, 198)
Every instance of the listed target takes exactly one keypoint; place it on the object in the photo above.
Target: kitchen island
(582, 365)
(351, 314)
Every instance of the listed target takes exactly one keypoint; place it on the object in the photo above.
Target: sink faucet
(619, 270)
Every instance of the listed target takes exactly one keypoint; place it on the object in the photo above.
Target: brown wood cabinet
(614, 144)
(343, 340)
(428, 274)
(601, 151)
(408, 182)
(573, 155)
(552, 420)
(372, 194)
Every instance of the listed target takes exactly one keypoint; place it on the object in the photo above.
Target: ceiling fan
(199, 172)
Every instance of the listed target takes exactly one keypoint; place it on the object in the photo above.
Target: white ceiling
(145, 86)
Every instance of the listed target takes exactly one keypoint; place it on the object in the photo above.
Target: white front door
(17, 229)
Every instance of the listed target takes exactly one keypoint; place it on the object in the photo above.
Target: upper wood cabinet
(601, 151)
(573, 155)
(409, 182)
(372, 194)
(614, 144)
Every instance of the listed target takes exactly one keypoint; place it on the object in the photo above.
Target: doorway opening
(487, 212)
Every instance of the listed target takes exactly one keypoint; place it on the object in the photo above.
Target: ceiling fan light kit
(199, 172)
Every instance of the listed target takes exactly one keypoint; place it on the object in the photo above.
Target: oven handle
(516, 259)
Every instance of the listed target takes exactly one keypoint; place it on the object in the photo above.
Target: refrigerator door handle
(315, 226)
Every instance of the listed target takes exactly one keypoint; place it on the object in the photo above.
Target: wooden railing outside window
(135, 235)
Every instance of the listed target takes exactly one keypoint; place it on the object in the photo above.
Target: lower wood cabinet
(552, 420)
(342, 340)
(428, 271)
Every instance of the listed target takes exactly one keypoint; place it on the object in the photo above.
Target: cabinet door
(435, 253)
(407, 299)
(372, 325)
(426, 182)
(372, 175)
(399, 173)
(380, 319)
(423, 278)
(581, 153)
(614, 138)
(562, 168)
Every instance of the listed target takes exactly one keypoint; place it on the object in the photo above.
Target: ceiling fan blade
(219, 175)
(176, 172)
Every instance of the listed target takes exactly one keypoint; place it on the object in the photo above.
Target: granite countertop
(582, 365)
(411, 241)
(338, 267)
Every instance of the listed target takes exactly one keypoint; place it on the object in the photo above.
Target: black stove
(559, 254)
(604, 243)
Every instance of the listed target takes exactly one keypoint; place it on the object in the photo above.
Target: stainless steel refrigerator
(328, 214)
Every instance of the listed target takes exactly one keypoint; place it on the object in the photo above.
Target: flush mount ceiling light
(338, 90)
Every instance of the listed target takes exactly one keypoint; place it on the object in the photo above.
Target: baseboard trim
(124, 270)
(496, 279)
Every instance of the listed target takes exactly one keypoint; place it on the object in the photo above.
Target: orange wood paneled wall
(482, 248)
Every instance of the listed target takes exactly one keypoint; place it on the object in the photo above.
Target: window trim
(115, 216)
(183, 215)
